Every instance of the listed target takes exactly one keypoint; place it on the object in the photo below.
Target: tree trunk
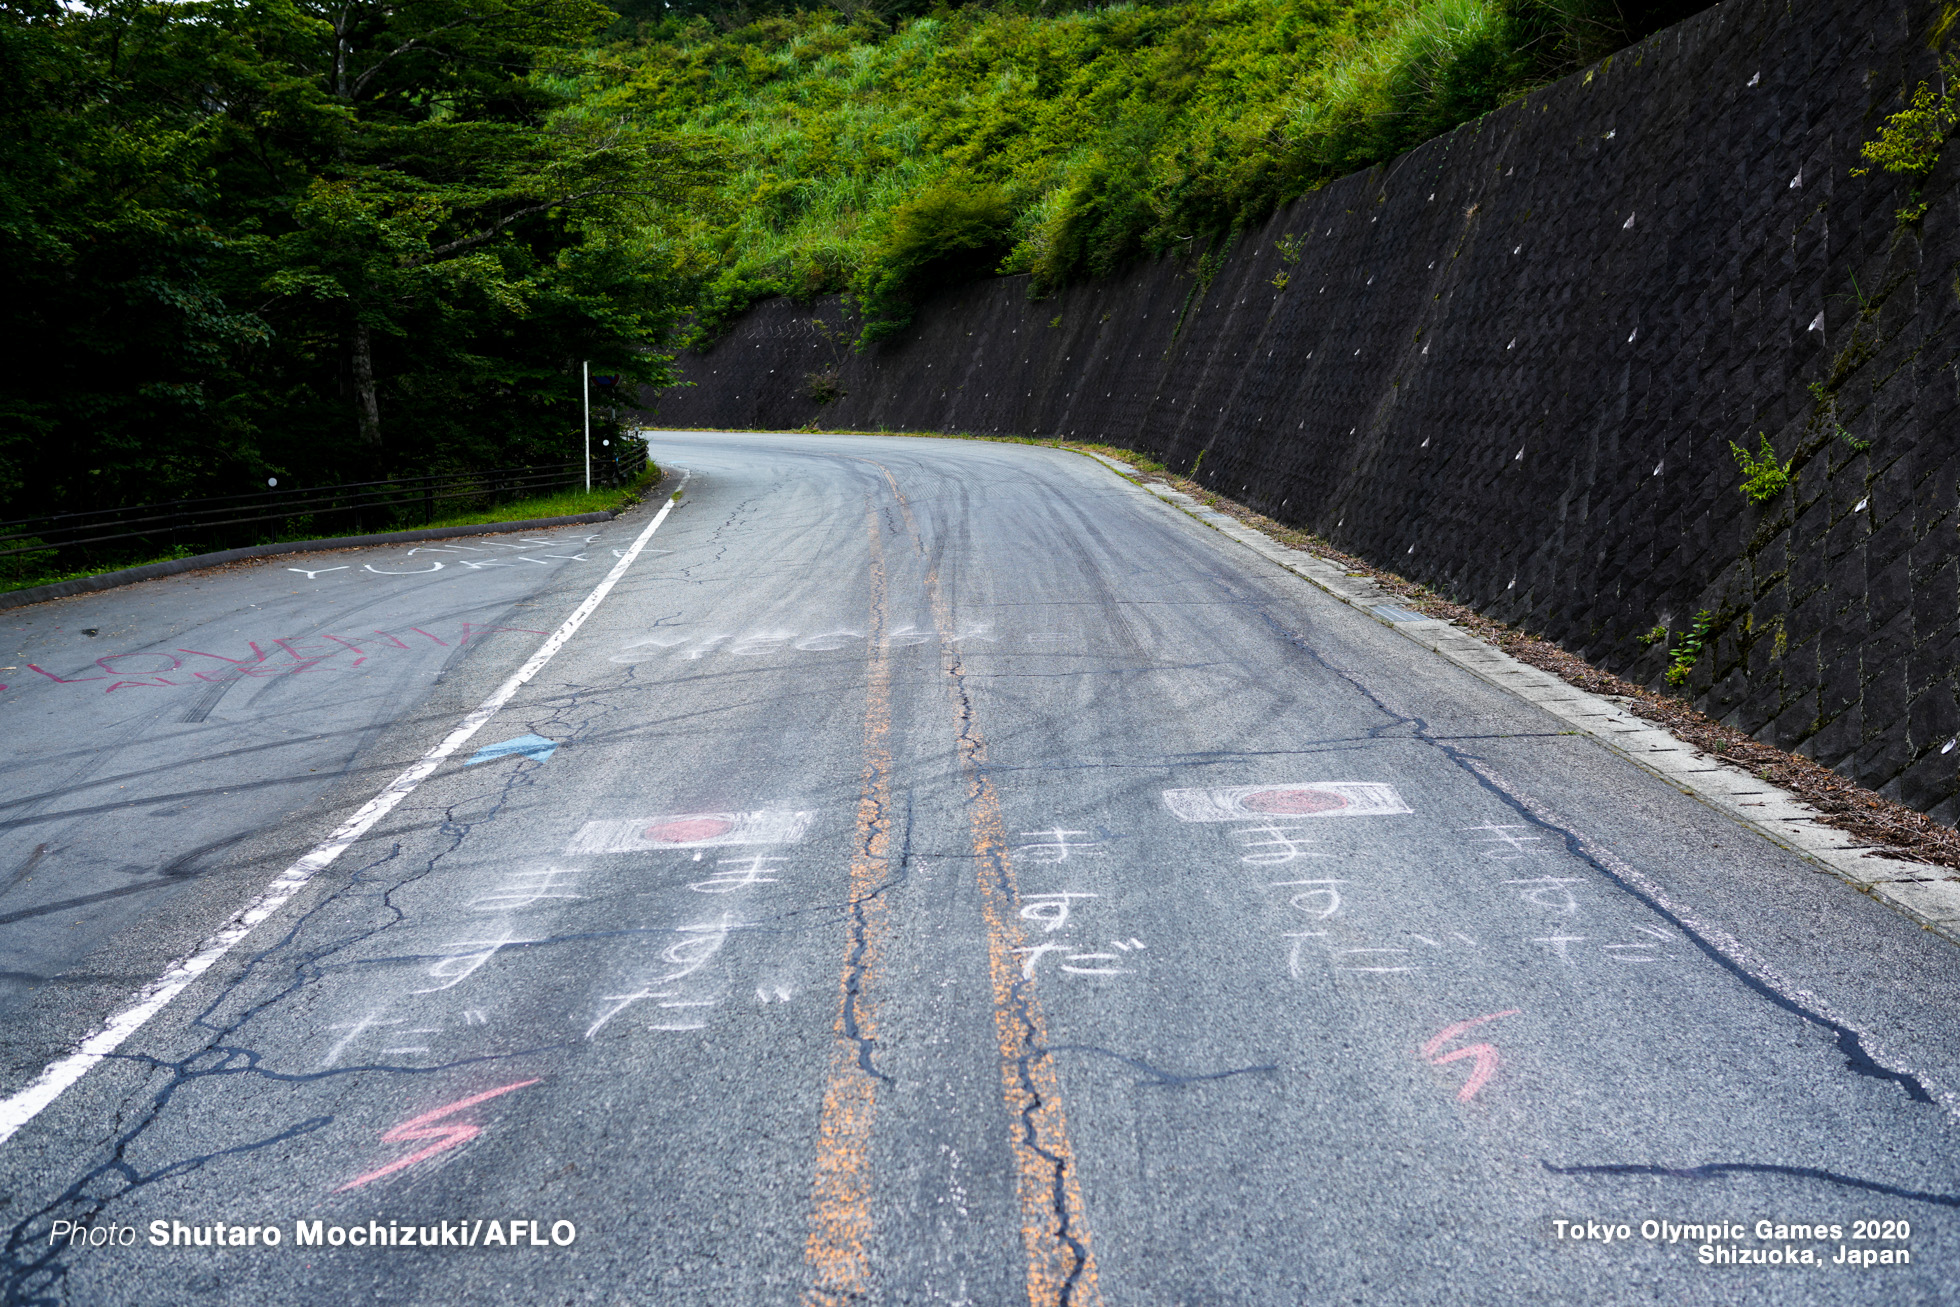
(367, 408)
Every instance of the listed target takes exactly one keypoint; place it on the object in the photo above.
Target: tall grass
(1111, 133)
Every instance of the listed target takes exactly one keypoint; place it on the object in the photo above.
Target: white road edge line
(1928, 895)
(56, 1078)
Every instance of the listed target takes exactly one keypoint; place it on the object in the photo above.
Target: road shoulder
(1926, 894)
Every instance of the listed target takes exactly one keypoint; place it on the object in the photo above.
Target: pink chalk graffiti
(174, 661)
(1486, 1056)
(446, 1136)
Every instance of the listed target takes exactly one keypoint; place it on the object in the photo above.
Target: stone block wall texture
(1511, 363)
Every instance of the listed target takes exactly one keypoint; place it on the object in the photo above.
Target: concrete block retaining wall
(1510, 365)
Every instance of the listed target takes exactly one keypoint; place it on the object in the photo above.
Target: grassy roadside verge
(1889, 826)
(569, 503)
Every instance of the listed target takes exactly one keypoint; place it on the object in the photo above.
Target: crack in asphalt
(1713, 1169)
(1020, 1001)
(1159, 1076)
(860, 938)
(1633, 884)
(34, 1274)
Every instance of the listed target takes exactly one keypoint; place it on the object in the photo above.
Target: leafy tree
(1911, 141)
(326, 241)
(117, 333)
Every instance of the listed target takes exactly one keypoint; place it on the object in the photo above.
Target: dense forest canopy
(251, 238)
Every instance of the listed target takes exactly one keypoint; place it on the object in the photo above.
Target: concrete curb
(149, 572)
(1927, 894)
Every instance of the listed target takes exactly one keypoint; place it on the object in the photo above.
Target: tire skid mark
(289, 965)
(57, 1077)
(1720, 948)
(1054, 1226)
(173, 872)
(838, 1248)
(31, 1271)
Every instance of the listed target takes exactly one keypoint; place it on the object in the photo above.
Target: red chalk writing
(423, 1127)
(1485, 1065)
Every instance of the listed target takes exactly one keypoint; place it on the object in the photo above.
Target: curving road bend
(932, 872)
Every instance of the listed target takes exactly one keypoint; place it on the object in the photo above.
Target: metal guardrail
(349, 509)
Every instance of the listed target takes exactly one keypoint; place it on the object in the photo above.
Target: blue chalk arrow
(534, 747)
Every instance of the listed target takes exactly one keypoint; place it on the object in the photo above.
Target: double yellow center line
(1061, 1270)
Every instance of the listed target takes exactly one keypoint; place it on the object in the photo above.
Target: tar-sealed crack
(716, 538)
(860, 936)
(1756, 978)
(1020, 1000)
(1715, 1170)
(995, 870)
(1720, 949)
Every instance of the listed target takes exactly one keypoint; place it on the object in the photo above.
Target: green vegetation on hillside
(245, 239)
(885, 158)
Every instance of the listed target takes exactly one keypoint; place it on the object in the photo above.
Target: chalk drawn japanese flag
(690, 830)
(1286, 801)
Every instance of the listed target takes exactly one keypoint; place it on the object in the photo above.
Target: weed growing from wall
(1205, 270)
(1910, 142)
(1289, 255)
(1827, 410)
(1763, 478)
(1682, 658)
(826, 384)
(821, 388)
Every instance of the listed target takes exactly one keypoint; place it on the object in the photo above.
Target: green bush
(1911, 140)
(953, 231)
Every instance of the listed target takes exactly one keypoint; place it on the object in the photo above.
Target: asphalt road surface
(932, 872)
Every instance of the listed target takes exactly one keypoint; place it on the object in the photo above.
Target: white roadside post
(585, 378)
